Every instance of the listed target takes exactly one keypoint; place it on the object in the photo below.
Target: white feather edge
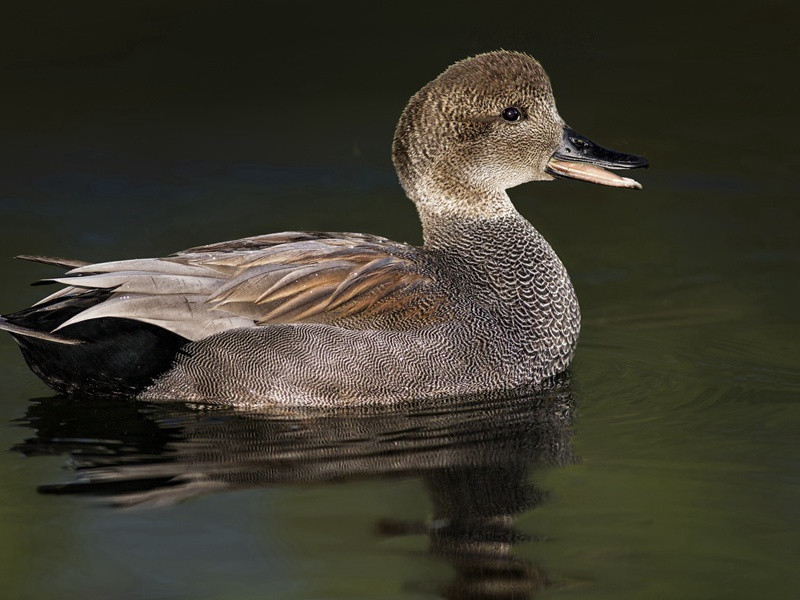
(187, 315)
(145, 282)
(165, 266)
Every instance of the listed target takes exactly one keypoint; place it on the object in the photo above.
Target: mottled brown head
(486, 124)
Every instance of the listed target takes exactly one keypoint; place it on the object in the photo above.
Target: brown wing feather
(295, 277)
(353, 280)
(270, 240)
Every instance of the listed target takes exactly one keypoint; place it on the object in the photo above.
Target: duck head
(486, 124)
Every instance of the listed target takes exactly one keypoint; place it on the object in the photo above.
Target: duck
(334, 319)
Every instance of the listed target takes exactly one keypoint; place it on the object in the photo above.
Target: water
(667, 467)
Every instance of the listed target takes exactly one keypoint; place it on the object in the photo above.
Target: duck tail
(106, 356)
(15, 330)
(18, 325)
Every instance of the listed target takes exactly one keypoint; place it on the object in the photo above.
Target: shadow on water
(475, 456)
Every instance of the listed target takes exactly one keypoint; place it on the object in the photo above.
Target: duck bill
(578, 157)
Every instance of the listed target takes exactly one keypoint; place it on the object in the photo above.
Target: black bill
(578, 157)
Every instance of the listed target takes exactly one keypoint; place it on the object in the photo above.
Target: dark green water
(668, 467)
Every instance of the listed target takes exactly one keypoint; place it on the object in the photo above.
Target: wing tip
(55, 261)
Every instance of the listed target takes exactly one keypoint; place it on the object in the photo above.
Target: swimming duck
(342, 318)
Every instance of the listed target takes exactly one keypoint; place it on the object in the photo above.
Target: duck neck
(444, 213)
(504, 264)
(491, 248)
(453, 215)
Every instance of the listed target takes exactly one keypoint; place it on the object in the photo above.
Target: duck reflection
(474, 454)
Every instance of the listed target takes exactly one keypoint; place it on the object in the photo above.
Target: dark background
(114, 114)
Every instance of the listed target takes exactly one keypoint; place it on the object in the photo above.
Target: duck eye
(512, 113)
